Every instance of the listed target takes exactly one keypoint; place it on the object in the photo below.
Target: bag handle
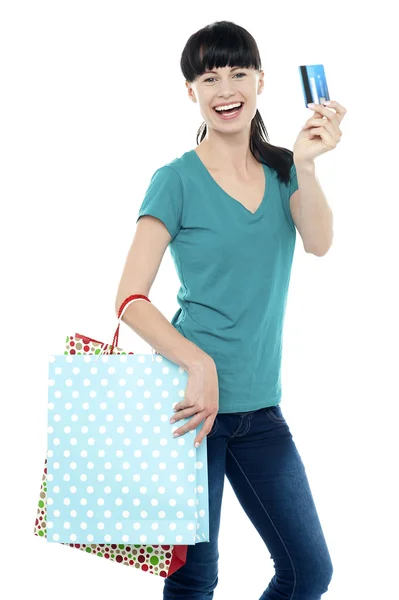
(115, 338)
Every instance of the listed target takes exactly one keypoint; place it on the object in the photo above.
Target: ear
(191, 94)
(261, 82)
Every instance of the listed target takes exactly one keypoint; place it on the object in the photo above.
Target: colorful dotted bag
(162, 560)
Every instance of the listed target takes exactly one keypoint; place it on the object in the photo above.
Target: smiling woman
(224, 210)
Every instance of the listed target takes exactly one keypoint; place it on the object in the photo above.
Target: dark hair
(222, 44)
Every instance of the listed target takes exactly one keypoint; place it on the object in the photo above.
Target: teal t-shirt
(234, 268)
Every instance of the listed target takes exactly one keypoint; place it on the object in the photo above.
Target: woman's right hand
(201, 400)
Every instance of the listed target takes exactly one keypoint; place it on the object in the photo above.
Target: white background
(92, 102)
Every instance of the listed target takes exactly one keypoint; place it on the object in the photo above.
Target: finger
(317, 108)
(205, 430)
(186, 403)
(329, 115)
(329, 140)
(340, 110)
(315, 117)
(331, 128)
(191, 424)
(336, 106)
(184, 414)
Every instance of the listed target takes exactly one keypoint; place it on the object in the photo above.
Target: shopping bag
(113, 452)
(147, 558)
(162, 560)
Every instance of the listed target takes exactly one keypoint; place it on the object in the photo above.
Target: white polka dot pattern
(115, 473)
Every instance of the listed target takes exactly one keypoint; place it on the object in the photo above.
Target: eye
(209, 78)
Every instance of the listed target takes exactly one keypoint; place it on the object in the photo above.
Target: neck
(228, 153)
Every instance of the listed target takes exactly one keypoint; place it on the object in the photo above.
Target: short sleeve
(293, 181)
(290, 188)
(164, 199)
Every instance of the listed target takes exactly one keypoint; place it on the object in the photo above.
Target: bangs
(222, 44)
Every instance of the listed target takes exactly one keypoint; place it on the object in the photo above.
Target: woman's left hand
(320, 133)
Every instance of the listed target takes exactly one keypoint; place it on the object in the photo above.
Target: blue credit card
(314, 83)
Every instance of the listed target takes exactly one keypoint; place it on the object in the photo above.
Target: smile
(229, 114)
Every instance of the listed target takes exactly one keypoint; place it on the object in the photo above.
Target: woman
(227, 210)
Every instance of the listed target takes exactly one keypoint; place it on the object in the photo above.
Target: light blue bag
(115, 473)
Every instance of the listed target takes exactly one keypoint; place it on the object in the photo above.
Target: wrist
(306, 167)
(198, 361)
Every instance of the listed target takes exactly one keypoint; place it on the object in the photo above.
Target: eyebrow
(233, 69)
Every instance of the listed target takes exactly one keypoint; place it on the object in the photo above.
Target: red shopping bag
(162, 560)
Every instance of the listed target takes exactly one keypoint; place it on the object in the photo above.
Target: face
(225, 86)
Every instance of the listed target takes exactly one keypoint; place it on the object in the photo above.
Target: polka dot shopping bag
(116, 483)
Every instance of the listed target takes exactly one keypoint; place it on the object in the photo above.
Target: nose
(226, 88)
(225, 98)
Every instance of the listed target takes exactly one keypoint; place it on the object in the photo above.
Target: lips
(217, 105)
(227, 115)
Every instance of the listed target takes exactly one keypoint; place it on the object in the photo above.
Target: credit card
(314, 84)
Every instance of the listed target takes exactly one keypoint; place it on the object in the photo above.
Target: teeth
(219, 108)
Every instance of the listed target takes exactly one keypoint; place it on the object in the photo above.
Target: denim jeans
(257, 453)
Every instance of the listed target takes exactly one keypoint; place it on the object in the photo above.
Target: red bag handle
(121, 310)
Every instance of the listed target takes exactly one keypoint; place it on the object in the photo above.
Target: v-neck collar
(250, 215)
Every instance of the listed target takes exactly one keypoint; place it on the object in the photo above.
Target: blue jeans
(256, 451)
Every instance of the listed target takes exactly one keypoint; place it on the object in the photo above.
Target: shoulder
(178, 165)
(175, 172)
